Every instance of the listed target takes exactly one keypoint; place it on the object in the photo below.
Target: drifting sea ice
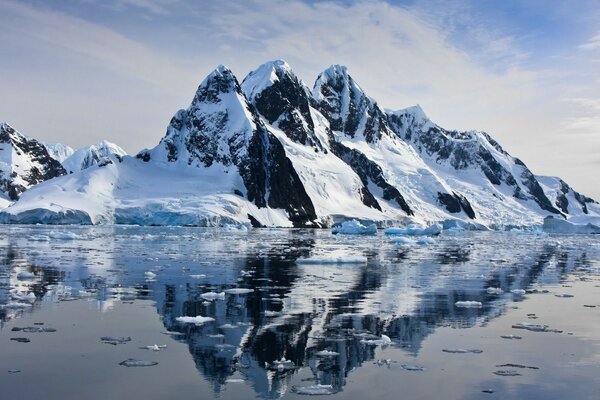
(239, 291)
(130, 362)
(114, 340)
(384, 341)
(493, 290)
(25, 275)
(463, 351)
(198, 320)
(281, 365)
(154, 347)
(149, 275)
(210, 296)
(412, 367)
(468, 304)
(415, 230)
(327, 353)
(314, 390)
(29, 297)
(354, 227)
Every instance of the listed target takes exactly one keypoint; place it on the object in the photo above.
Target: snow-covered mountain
(87, 156)
(271, 151)
(23, 162)
(58, 151)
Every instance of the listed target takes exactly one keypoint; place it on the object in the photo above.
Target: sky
(527, 72)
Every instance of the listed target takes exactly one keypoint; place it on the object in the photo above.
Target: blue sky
(525, 71)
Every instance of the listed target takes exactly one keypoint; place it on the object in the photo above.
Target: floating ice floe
(154, 347)
(463, 351)
(232, 380)
(564, 295)
(115, 340)
(511, 337)
(415, 230)
(333, 260)
(130, 362)
(210, 296)
(412, 367)
(25, 275)
(149, 275)
(468, 304)
(198, 320)
(239, 291)
(507, 373)
(354, 227)
(272, 313)
(198, 276)
(512, 365)
(314, 390)
(327, 353)
(20, 339)
(519, 292)
(235, 228)
(64, 235)
(493, 290)
(34, 329)
(535, 327)
(384, 341)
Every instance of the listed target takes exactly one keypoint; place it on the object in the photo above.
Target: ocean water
(288, 313)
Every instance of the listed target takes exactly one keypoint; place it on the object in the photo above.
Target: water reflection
(294, 310)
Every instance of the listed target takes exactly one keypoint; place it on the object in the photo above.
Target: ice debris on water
(20, 339)
(333, 260)
(507, 373)
(493, 290)
(519, 292)
(535, 327)
(233, 380)
(198, 276)
(239, 291)
(34, 329)
(154, 347)
(149, 275)
(463, 351)
(25, 275)
(130, 362)
(564, 295)
(511, 337)
(29, 297)
(210, 296)
(198, 320)
(468, 304)
(412, 367)
(416, 230)
(314, 390)
(14, 371)
(115, 340)
(16, 305)
(354, 227)
(327, 353)
(512, 365)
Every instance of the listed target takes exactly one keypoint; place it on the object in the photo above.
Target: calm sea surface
(465, 315)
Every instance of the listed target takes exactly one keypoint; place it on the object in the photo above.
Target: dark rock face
(456, 203)
(347, 107)
(285, 104)
(562, 202)
(369, 171)
(43, 167)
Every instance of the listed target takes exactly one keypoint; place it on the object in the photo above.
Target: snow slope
(87, 156)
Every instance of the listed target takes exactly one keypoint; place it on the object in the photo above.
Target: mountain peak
(265, 76)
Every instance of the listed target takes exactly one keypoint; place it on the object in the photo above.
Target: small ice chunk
(269, 313)
(519, 292)
(20, 339)
(564, 295)
(232, 380)
(511, 365)
(198, 276)
(25, 275)
(16, 305)
(333, 260)
(14, 371)
(507, 373)
(412, 367)
(130, 362)
(531, 327)
(463, 351)
(210, 296)
(29, 297)
(154, 347)
(198, 320)
(327, 353)
(149, 275)
(493, 290)
(115, 340)
(34, 329)
(354, 227)
(415, 230)
(239, 291)
(468, 304)
(511, 337)
(314, 390)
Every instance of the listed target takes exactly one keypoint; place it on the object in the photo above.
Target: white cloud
(591, 44)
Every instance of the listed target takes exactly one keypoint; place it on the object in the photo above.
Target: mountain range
(269, 151)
